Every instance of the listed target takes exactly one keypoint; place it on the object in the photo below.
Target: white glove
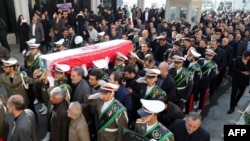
(24, 52)
(94, 96)
(85, 70)
(101, 82)
(152, 140)
(107, 60)
(141, 80)
(51, 81)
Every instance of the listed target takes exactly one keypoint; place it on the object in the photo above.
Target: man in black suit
(189, 129)
(23, 128)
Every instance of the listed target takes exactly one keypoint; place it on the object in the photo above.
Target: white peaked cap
(62, 67)
(31, 41)
(150, 107)
(9, 62)
(194, 52)
(178, 58)
(109, 87)
(153, 72)
(78, 40)
(134, 55)
(101, 33)
(100, 64)
(121, 56)
(60, 42)
(34, 45)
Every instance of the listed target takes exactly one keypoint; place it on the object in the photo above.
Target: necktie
(13, 129)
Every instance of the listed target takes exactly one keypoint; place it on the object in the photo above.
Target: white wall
(21, 8)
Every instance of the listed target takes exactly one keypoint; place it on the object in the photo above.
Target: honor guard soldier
(148, 88)
(148, 125)
(36, 63)
(132, 59)
(61, 79)
(59, 46)
(120, 62)
(102, 66)
(112, 114)
(15, 81)
(28, 57)
(195, 74)
(136, 37)
(183, 83)
(208, 67)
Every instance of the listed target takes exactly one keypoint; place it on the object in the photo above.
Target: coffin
(87, 54)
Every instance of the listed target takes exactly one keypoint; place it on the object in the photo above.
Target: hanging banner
(64, 6)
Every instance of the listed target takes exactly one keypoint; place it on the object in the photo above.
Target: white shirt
(93, 34)
(146, 16)
(178, 71)
(149, 89)
(33, 29)
(151, 126)
(106, 104)
(191, 64)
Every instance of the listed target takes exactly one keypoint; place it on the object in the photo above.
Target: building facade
(11, 9)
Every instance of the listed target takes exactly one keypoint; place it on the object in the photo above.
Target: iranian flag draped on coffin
(87, 54)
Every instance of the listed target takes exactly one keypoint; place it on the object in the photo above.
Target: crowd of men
(156, 92)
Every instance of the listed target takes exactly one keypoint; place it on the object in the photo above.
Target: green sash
(37, 63)
(129, 135)
(194, 67)
(181, 76)
(136, 39)
(208, 66)
(158, 132)
(63, 82)
(155, 91)
(108, 116)
(119, 68)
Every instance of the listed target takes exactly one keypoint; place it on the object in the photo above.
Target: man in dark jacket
(24, 128)
(240, 79)
(221, 61)
(170, 113)
(59, 120)
(189, 129)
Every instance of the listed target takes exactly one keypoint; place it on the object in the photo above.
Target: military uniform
(195, 74)
(112, 117)
(63, 82)
(157, 132)
(208, 68)
(28, 60)
(119, 68)
(16, 86)
(152, 93)
(36, 63)
(153, 129)
(183, 85)
(120, 59)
